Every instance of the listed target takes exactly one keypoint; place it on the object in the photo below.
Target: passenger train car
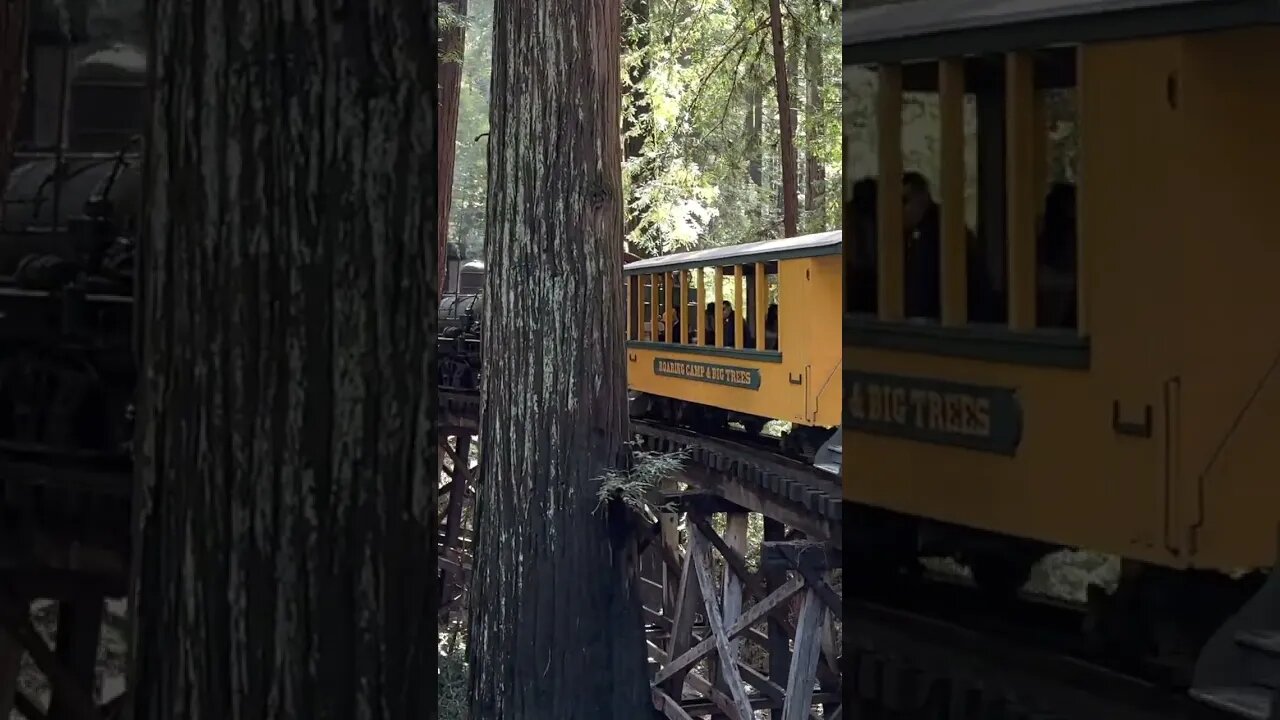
(743, 334)
(1087, 357)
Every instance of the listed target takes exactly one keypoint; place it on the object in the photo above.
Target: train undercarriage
(814, 445)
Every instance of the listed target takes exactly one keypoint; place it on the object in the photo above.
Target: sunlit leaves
(693, 187)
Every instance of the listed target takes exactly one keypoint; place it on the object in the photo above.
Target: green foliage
(453, 677)
(698, 65)
(635, 487)
(470, 173)
(701, 70)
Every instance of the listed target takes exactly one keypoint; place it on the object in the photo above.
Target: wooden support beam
(15, 620)
(758, 702)
(890, 253)
(728, 658)
(767, 504)
(1020, 184)
(10, 663)
(716, 696)
(734, 559)
(27, 708)
(955, 240)
(79, 632)
(669, 707)
(687, 602)
(804, 660)
(779, 634)
(735, 536)
(749, 618)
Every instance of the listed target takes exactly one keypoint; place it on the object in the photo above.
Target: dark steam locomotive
(461, 308)
(69, 224)
(68, 228)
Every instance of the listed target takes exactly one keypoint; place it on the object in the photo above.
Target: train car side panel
(1229, 496)
(820, 355)
(1029, 448)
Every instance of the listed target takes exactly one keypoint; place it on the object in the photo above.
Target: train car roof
(926, 29)
(814, 245)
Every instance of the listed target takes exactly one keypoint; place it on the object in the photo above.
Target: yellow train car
(740, 335)
(1059, 325)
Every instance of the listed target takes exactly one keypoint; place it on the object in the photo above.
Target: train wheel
(999, 574)
(752, 426)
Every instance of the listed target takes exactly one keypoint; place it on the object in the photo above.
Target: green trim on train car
(769, 356)
(743, 259)
(906, 32)
(977, 417)
(738, 377)
(1043, 348)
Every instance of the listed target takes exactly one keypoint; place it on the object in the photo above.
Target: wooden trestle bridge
(725, 640)
(731, 629)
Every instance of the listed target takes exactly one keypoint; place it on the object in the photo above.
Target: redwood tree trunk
(14, 21)
(555, 628)
(786, 128)
(286, 468)
(451, 45)
(814, 180)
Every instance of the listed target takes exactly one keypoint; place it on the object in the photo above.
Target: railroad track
(928, 650)
(902, 663)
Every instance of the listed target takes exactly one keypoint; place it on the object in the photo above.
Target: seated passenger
(709, 335)
(771, 327)
(922, 260)
(860, 277)
(1056, 254)
(922, 257)
(674, 317)
(730, 326)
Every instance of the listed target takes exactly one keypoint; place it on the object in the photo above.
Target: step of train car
(1254, 703)
(830, 455)
(1238, 670)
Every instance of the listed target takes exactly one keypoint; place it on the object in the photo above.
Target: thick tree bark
(14, 21)
(286, 469)
(555, 627)
(451, 46)
(814, 179)
(786, 125)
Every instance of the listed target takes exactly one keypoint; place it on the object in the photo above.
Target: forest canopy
(703, 165)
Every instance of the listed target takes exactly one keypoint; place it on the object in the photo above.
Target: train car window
(655, 307)
(739, 308)
(671, 323)
(1057, 246)
(773, 295)
(629, 302)
(700, 300)
(680, 306)
(759, 324)
(716, 310)
(962, 206)
(729, 307)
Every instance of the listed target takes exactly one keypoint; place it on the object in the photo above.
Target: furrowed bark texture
(14, 16)
(555, 630)
(452, 45)
(286, 466)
